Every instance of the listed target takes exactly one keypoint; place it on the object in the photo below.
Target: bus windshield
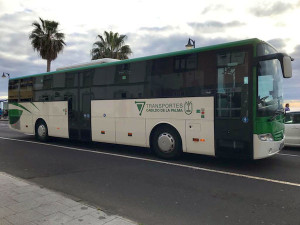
(269, 98)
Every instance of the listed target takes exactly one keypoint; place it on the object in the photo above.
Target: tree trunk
(48, 65)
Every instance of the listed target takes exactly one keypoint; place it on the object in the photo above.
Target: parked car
(292, 129)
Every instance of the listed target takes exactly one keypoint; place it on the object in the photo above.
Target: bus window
(47, 82)
(26, 92)
(42, 86)
(232, 85)
(165, 80)
(71, 80)
(13, 88)
(59, 81)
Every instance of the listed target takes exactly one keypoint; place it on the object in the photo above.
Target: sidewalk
(23, 203)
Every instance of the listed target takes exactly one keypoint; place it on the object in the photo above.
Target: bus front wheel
(166, 142)
(41, 131)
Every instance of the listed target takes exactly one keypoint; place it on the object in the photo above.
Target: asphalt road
(133, 183)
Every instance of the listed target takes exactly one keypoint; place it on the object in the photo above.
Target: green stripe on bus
(34, 105)
(14, 115)
(19, 105)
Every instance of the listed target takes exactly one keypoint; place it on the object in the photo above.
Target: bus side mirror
(287, 66)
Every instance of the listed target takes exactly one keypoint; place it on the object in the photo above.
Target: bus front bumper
(264, 149)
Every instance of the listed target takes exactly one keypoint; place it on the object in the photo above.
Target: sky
(152, 27)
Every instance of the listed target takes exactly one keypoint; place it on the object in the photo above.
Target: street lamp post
(190, 44)
(4, 76)
(4, 111)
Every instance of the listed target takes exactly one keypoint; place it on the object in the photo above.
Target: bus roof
(182, 52)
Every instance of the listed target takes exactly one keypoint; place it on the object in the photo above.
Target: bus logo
(140, 106)
(188, 107)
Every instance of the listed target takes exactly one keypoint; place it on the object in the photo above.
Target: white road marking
(289, 155)
(163, 162)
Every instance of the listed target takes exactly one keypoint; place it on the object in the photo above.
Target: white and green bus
(221, 100)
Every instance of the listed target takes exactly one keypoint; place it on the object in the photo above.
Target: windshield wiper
(277, 112)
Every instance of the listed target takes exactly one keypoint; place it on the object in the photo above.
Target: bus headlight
(266, 137)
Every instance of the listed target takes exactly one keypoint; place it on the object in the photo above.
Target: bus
(223, 100)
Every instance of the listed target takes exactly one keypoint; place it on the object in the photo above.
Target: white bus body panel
(193, 118)
(25, 123)
(135, 126)
(58, 119)
(264, 149)
(55, 115)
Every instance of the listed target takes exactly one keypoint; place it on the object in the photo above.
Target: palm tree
(47, 40)
(111, 46)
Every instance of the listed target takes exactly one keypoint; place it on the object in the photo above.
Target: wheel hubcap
(42, 130)
(166, 142)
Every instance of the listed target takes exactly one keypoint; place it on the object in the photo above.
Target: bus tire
(41, 131)
(166, 142)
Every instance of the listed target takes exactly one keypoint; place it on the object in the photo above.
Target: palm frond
(111, 45)
(46, 40)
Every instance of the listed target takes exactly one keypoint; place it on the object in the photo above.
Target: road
(131, 182)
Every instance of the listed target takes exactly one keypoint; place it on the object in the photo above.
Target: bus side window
(59, 85)
(167, 77)
(48, 82)
(42, 88)
(101, 83)
(129, 81)
(26, 92)
(13, 91)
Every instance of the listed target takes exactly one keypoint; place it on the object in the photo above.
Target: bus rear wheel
(166, 142)
(41, 131)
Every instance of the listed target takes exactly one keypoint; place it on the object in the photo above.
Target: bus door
(84, 120)
(80, 108)
(233, 120)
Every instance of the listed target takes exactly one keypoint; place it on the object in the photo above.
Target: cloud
(17, 56)
(212, 8)
(175, 42)
(296, 62)
(157, 29)
(297, 51)
(215, 26)
(17, 68)
(278, 43)
(291, 86)
(268, 9)
(15, 48)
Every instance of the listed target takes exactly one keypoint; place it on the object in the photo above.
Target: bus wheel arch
(41, 130)
(165, 141)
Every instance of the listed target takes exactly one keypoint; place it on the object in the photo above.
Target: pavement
(24, 203)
